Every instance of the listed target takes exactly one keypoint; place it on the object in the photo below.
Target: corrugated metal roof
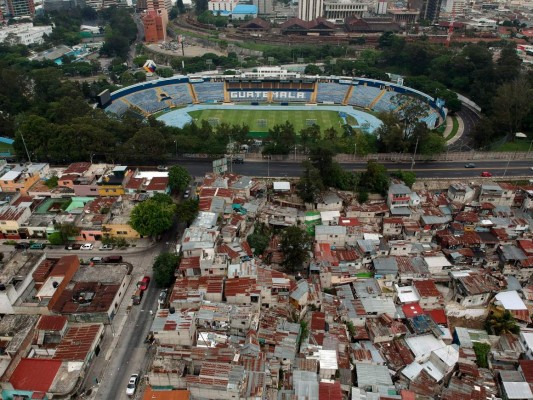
(370, 375)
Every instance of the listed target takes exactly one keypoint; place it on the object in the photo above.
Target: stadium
(268, 97)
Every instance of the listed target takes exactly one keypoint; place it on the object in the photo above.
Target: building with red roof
(79, 343)
(52, 323)
(412, 310)
(430, 297)
(330, 391)
(35, 374)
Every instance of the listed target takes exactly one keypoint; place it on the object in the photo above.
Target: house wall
(85, 190)
(22, 185)
(110, 190)
(120, 231)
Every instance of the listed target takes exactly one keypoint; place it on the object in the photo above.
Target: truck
(137, 297)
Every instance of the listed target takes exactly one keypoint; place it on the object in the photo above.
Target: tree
(376, 178)
(499, 322)
(310, 184)
(411, 110)
(512, 104)
(260, 239)
(295, 245)
(55, 239)
(180, 6)
(52, 182)
(187, 211)
(407, 177)
(165, 72)
(433, 143)
(164, 268)
(178, 178)
(312, 69)
(200, 6)
(67, 231)
(152, 217)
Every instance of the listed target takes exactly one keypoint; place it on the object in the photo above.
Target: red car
(143, 284)
(486, 174)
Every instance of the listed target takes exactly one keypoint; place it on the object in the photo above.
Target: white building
(340, 9)
(25, 34)
(221, 5)
(308, 10)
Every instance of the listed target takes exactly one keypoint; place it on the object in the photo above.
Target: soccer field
(263, 120)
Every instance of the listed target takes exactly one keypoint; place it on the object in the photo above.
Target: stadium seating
(362, 95)
(331, 92)
(179, 94)
(118, 107)
(209, 92)
(431, 119)
(386, 102)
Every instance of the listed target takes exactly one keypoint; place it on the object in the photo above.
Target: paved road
(422, 170)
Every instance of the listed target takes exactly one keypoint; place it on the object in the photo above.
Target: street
(421, 169)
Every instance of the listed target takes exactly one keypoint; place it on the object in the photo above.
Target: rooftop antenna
(25, 147)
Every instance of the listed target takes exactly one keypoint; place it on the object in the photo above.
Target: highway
(421, 169)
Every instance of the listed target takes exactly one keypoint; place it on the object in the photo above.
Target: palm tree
(498, 323)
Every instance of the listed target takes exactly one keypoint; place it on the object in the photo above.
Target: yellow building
(118, 225)
(18, 180)
(112, 184)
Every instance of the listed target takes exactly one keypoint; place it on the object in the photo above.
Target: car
(238, 160)
(72, 246)
(162, 168)
(162, 297)
(112, 259)
(106, 247)
(186, 194)
(486, 174)
(143, 284)
(86, 246)
(531, 168)
(22, 246)
(97, 260)
(132, 384)
(37, 246)
(470, 165)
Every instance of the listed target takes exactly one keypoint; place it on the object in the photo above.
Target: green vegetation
(153, 216)
(187, 211)
(260, 238)
(455, 128)
(164, 267)
(516, 145)
(295, 244)
(52, 182)
(408, 177)
(501, 321)
(6, 148)
(178, 178)
(253, 118)
(66, 232)
(482, 351)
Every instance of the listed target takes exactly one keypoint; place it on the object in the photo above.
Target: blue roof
(245, 9)
(222, 13)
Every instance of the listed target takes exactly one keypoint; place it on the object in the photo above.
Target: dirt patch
(190, 51)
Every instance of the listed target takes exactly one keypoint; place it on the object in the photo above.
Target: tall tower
(20, 8)
(308, 10)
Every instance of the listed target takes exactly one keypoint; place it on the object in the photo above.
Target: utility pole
(268, 166)
(414, 155)
(26, 148)
(230, 154)
(507, 166)
(355, 151)
(528, 150)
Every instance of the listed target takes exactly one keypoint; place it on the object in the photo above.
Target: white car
(106, 247)
(132, 384)
(86, 246)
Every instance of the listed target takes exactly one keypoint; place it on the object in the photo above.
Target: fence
(390, 157)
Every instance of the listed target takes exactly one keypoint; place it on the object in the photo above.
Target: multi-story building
(221, 5)
(20, 8)
(309, 10)
(429, 9)
(25, 34)
(340, 9)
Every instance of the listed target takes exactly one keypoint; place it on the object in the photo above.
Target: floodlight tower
(450, 30)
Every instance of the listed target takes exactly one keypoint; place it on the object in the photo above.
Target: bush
(482, 351)
(55, 239)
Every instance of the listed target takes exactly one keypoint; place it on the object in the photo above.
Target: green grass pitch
(324, 119)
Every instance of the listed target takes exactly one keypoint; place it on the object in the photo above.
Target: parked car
(86, 246)
(112, 259)
(470, 165)
(486, 174)
(97, 260)
(22, 246)
(238, 160)
(106, 247)
(162, 168)
(186, 194)
(37, 246)
(132, 385)
(73, 246)
(143, 284)
(162, 297)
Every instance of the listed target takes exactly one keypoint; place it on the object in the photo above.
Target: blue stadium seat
(208, 92)
(362, 95)
(331, 92)
(118, 107)
(386, 103)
